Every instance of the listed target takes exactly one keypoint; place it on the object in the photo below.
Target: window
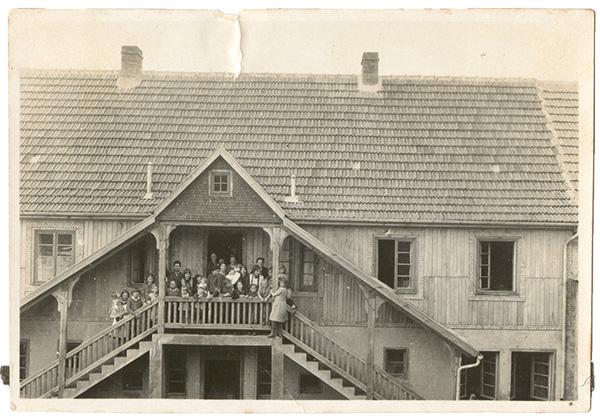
(299, 262)
(395, 263)
(309, 384)
(396, 362)
(263, 377)
(479, 382)
(531, 376)
(496, 265)
(176, 371)
(220, 183)
(54, 252)
(23, 359)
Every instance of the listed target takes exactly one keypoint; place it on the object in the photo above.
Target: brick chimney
(130, 75)
(369, 79)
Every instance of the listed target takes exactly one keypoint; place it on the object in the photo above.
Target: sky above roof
(547, 45)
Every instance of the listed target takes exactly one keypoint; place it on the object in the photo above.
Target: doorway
(224, 244)
(530, 377)
(222, 379)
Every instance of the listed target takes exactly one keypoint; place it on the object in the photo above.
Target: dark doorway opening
(385, 262)
(225, 244)
(530, 376)
(222, 379)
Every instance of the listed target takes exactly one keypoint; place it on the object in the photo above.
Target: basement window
(220, 183)
(396, 362)
(496, 265)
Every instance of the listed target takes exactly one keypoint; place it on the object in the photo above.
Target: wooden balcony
(217, 313)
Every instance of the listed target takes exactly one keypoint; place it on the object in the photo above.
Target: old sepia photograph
(301, 210)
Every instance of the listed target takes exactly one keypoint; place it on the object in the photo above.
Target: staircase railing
(216, 312)
(93, 352)
(341, 359)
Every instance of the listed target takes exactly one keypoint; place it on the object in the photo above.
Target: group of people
(231, 280)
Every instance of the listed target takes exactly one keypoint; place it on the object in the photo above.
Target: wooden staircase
(96, 358)
(336, 364)
(325, 375)
(107, 369)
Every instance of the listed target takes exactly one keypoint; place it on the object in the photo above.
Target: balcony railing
(217, 313)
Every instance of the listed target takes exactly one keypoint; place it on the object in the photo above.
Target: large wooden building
(428, 227)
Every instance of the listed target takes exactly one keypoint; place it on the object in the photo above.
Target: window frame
(295, 264)
(26, 355)
(478, 277)
(464, 382)
(413, 280)
(211, 183)
(36, 251)
(405, 361)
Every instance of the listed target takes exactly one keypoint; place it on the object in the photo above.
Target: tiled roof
(421, 150)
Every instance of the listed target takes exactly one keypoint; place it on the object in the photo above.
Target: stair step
(131, 353)
(95, 376)
(120, 361)
(146, 346)
(82, 384)
(338, 382)
(107, 369)
(299, 357)
(360, 397)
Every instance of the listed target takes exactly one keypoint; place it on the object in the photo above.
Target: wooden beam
(371, 317)
(162, 233)
(213, 340)
(276, 235)
(156, 371)
(250, 373)
(277, 374)
(62, 297)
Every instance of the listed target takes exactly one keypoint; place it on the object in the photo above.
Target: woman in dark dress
(213, 264)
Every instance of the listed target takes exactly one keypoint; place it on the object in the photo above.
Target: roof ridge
(559, 84)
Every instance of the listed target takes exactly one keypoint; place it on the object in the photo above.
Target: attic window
(220, 183)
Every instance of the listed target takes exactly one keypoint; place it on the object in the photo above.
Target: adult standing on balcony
(279, 313)
(213, 264)
(176, 273)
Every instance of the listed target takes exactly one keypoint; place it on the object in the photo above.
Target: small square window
(396, 362)
(496, 265)
(220, 183)
(309, 384)
(54, 253)
(396, 264)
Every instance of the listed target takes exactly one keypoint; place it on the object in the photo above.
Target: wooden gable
(242, 204)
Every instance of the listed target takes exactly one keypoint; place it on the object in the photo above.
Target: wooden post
(250, 373)
(155, 380)
(62, 298)
(277, 375)
(277, 235)
(161, 233)
(371, 315)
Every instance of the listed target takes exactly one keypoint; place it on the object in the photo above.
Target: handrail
(124, 333)
(348, 371)
(109, 329)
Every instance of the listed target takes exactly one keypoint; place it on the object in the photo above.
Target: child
(253, 291)
(134, 303)
(255, 277)
(238, 290)
(116, 310)
(264, 293)
(264, 290)
(202, 287)
(226, 287)
(147, 287)
(173, 290)
(279, 313)
(244, 278)
(152, 295)
(124, 299)
(185, 293)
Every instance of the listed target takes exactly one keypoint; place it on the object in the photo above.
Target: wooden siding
(446, 276)
(98, 233)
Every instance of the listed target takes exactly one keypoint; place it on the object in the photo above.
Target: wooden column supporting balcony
(277, 374)
(277, 235)
(64, 297)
